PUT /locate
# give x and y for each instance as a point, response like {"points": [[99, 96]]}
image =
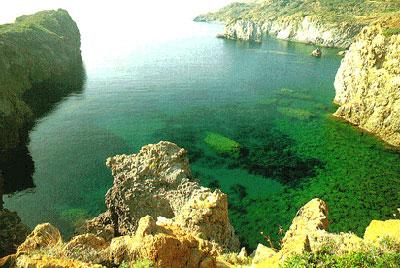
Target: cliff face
{"points": [[325, 23], [36, 50], [40, 61], [368, 81], [306, 30]]}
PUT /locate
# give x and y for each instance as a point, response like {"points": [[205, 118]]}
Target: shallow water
{"points": [[273, 99]]}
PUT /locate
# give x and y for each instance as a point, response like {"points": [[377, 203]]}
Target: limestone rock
{"points": [[87, 248], [377, 230], [101, 226], [165, 246], [12, 232], [262, 253], [157, 182], [308, 29], [310, 218], [40, 261], [243, 30], [206, 213], [368, 83], [43, 236]]}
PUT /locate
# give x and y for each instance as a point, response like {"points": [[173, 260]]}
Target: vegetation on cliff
{"points": [[331, 23], [36, 52], [331, 11]]}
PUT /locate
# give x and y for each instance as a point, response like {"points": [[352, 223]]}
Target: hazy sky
{"points": [[114, 9], [117, 26]]}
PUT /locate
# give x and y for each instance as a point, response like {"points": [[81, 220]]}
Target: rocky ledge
{"points": [[368, 81], [158, 215]]}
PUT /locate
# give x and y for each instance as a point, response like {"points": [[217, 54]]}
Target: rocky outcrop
{"points": [[35, 51], [157, 182], [368, 82], [197, 233], [306, 30], [165, 243], [243, 30], [309, 233]]}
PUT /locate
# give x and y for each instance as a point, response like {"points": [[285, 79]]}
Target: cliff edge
{"points": [[367, 83]]}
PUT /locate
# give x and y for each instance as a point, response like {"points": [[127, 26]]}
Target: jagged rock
{"points": [[101, 226], [368, 81], [165, 246], [158, 182], [206, 213], [12, 232], [308, 233], [378, 230], [43, 236]]}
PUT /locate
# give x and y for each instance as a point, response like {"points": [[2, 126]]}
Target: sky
{"points": [[126, 24], [115, 9]]}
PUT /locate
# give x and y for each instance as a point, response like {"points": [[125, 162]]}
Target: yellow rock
{"points": [[380, 229], [43, 236], [50, 262], [262, 253]]}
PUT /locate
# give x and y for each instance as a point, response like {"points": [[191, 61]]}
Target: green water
{"points": [[273, 144]]}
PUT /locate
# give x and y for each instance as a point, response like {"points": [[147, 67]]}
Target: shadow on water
{"points": [[16, 165]]}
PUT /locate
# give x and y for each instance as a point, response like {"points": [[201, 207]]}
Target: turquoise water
{"points": [[272, 99]]}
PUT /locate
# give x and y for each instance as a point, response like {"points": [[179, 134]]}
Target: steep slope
{"points": [[36, 51], [368, 81]]}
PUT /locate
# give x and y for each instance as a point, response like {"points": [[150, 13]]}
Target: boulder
{"points": [[165, 246], [43, 236], [378, 230]]}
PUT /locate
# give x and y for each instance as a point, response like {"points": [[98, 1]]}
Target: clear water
{"points": [[273, 99]]}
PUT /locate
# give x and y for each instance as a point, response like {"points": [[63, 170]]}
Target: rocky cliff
{"points": [[326, 23], [36, 51], [368, 81], [309, 29], [189, 227], [40, 61]]}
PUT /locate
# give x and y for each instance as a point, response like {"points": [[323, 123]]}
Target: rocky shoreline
{"points": [[158, 214], [313, 22]]}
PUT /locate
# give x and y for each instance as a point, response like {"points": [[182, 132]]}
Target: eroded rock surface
{"points": [[368, 82], [157, 182]]}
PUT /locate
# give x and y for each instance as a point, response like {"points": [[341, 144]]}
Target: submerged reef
{"points": [[326, 23], [171, 221]]}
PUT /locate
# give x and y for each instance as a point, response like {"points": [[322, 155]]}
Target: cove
{"points": [[255, 119]]}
